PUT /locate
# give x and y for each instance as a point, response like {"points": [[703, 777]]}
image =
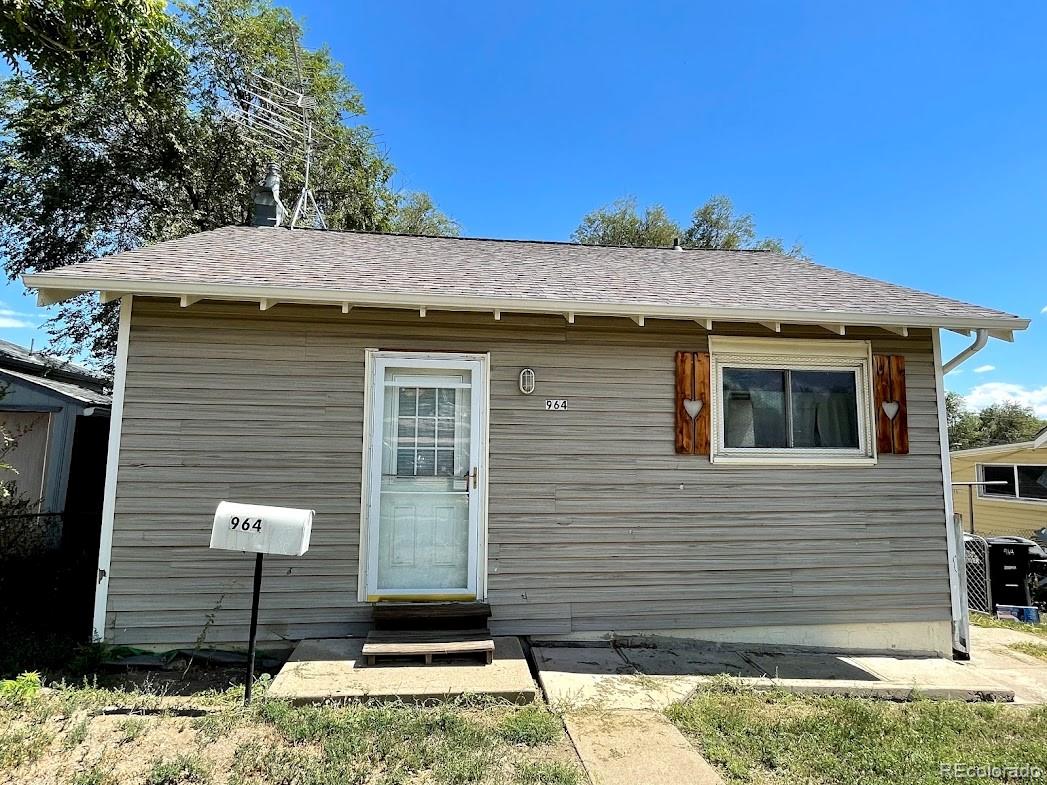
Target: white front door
{"points": [[426, 464]]}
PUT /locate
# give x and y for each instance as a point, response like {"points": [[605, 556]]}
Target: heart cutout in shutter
{"points": [[692, 407], [890, 408]]}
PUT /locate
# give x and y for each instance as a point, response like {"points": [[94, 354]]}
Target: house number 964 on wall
{"points": [[555, 404]]}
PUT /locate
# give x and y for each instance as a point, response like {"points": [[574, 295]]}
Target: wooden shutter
{"points": [[692, 389], [892, 433]]}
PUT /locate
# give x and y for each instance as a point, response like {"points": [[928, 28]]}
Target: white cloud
{"points": [[12, 323], [983, 395], [1044, 309], [984, 368], [955, 372]]}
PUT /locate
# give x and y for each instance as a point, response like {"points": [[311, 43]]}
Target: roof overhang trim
{"points": [[54, 289]]}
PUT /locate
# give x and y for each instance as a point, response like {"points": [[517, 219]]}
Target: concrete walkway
{"points": [[653, 678], [634, 748]]}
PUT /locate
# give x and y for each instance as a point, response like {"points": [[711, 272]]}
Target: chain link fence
{"points": [[976, 553]]}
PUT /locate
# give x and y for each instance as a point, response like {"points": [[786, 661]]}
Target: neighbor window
{"points": [[1014, 481], [790, 401]]}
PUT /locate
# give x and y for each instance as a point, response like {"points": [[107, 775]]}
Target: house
{"points": [[57, 415], [1016, 502], [729, 445]]}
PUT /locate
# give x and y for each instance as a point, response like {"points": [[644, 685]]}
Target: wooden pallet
{"points": [[427, 644]]}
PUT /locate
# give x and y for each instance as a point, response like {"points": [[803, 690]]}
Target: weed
{"points": [[21, 688], [530, 725], [984, 620], [548, 773], [182, 770], [100, 773], [77, 734], [22, 743], [132, 728], [1037, 650]]}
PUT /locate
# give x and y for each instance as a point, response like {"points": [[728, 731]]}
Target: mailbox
{"points": [[256, 528]]}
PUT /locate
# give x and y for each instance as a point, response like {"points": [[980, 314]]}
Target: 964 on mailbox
{"points": [[256, 528], [259, 529]]}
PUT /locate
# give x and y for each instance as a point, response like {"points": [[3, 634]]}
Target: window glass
{"points": [[754, 407], [431, 428], [824, 409], [774, 408], [1032, 482], [992, 473]]}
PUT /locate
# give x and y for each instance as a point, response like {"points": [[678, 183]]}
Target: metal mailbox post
{"points": [[259, 529]]}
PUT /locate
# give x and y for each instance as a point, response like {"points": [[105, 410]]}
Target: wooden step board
{"points": [[431, 615], [427, 644]]}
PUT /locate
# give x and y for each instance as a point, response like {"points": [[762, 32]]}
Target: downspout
{"points": [[981, 337], [954, 537]]}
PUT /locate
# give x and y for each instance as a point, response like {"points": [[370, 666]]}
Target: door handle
{"points": [[475, 475]]}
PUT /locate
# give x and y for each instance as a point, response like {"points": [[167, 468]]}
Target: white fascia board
{"points": [[62, 285], [996, 449]]}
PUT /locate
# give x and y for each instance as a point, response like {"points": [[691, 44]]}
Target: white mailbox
{"points": [[256, 528]]}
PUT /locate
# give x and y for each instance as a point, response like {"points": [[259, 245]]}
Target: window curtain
{"points": [[823, 419]]}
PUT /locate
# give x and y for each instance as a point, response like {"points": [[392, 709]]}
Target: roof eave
{"points": [[52, 289]]}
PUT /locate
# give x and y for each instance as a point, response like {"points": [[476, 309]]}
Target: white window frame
{"points": [[795, 355], [983, 491]]}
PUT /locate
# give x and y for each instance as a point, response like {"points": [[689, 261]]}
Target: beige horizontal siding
{"points": [[994, 517], [594, 522]]}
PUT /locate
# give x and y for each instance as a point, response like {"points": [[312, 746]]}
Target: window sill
{"points": [[808, 459]]}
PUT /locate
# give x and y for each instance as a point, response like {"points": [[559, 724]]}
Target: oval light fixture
{"points": [[527, 381]]}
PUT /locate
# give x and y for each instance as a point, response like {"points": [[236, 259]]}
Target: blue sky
{"points": [[900, 140]]}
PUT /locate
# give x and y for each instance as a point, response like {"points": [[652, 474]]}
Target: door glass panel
{"points": [[423, 521]]}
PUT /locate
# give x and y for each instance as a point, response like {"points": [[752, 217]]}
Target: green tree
{"points": [[964, 425], [72, 40], [621, 223], [416, 214], [714, 225], [999, 423], [1008, 422], [102, 166]]}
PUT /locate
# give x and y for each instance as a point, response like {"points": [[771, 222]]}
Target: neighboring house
{"points": [[1019, 505], [730, 445], [44, 404]]}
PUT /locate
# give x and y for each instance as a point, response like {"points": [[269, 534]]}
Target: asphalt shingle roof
{"points": [[538, 272]]}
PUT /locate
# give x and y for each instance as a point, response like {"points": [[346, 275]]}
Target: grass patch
{"points": [[548, 773], [778, 737], [181, 770], [1038, 650], [22, 743], [76, 734], [132, 728], [984, 620], [44, 734], [100, 773], [531, 725]]}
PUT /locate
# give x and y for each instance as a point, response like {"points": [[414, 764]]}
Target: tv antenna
{"points": [[279, 116]]}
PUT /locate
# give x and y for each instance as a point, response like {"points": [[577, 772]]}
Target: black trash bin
{"points": [[1009, 559]]}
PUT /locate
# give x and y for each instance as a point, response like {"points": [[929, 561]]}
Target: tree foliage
{"points": [[417, 214], [102, 166], [1009, 422], [621, 223], [714, 225], [73, 40]]}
